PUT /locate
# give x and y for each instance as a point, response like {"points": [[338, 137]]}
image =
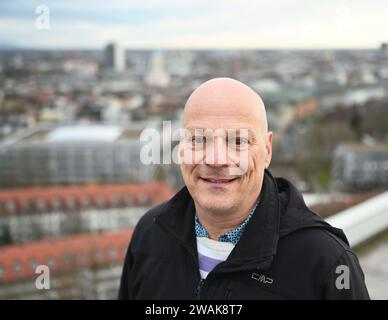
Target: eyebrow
{"points": [[250, 131]]}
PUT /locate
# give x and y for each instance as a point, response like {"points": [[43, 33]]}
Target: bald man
{"points": [[234, 231]]}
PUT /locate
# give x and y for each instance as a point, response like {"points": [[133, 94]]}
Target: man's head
{"points": [[216, 106]]}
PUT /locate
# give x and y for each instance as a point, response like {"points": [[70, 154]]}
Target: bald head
{"points": [[225, 99]]}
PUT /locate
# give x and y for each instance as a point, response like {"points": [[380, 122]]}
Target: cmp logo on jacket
{"points": [[261, 278]]}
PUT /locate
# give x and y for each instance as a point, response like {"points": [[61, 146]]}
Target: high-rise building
{"points": [[157, 74], [114, 57], [384, 50]]}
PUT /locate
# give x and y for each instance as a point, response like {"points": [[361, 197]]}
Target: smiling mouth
{"points": [[218, 180]]}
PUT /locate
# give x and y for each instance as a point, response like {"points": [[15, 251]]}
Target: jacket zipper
{"points": [[227, 294], [201, 281], [199, 288]]}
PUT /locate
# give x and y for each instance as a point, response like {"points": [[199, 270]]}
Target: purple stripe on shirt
{"points": [[206, 263]]}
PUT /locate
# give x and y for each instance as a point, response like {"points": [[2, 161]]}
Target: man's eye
{"points": [[238, 141]]}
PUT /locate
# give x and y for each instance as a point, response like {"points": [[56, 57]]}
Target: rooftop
{"points": [[84, 133], [18, 262], [378, 147], [40, 199], [80, 132]]}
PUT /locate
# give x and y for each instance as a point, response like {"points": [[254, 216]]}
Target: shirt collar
{"points": [[232, 236]]}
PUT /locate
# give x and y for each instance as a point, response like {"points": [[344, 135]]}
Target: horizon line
{"points": [[145, 48]]}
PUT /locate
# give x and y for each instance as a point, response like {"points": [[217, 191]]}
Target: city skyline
{"points": [[196, 24]]}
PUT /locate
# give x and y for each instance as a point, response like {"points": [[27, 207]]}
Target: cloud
{"points": [[198, 24]]}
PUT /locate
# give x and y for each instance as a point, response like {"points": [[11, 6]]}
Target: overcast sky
{"points": [[197, 23]]}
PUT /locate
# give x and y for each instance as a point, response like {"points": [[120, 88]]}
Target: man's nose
{"points": [[216, 153]]}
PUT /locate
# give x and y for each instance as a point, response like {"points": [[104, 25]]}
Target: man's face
{"points": [[225, 152]]}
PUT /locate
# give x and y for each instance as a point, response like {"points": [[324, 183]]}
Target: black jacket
{"points": [[285, 252]]}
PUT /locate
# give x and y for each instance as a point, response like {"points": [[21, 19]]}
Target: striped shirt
{"points": [[212, 252]]}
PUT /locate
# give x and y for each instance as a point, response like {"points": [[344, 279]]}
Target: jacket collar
{"points": [[257, 244]]}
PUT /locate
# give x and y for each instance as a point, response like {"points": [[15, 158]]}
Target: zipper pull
{"points": [[199, 288]]}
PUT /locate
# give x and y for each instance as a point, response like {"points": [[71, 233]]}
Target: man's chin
{"points": [[216, 205]]}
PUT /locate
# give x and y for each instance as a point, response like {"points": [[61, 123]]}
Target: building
{"points": [[361, 167], [84, 266], [114, 58], [335, 96], [31, 214], [75, 154], [157, 75], [384, 50]]}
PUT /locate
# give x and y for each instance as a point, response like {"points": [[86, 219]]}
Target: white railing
{"points": [[364, 220]]}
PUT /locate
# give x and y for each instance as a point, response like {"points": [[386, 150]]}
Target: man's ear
{"points": [[268, 147]]}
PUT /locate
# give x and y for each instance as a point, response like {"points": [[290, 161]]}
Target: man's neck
{"points": [[217, 223]]}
